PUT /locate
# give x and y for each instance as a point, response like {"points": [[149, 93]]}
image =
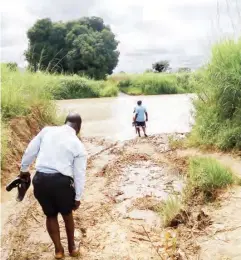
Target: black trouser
{"points": [[140, 124], [55, 193]]}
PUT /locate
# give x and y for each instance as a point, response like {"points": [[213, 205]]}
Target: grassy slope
{"points": [[218, 109]]}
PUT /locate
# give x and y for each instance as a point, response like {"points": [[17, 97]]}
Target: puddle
{"points": [[147, 179]]}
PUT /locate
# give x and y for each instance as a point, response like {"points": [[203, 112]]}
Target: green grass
{"points": [[218, 109], [150, 84], [25, 93], [170, 209], [154, 83], [206, 175], [74, 87], [23, 90]]}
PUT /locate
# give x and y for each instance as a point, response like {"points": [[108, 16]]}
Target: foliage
{"points": [[74, 87], [187, 81], [149, 84], [170, 209], [207, 175], [23, 90], [86, 47], [184, 69], [12, 66], [218, 109], [161, 66]]}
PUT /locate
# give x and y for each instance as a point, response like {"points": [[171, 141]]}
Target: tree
{"points": [[85, 46], [184, 69], [161, 66]]}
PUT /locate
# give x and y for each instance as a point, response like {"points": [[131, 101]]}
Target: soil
{"points": [[117, 218]]}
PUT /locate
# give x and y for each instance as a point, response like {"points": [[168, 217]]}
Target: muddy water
{"points": [[112, 117]]}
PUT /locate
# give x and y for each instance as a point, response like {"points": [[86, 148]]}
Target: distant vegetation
{"points": [[23, 90], [218, 109], [85, 47], [154, 83], [161, 66]]}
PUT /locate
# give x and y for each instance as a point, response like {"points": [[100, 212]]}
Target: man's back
{"points": [[59, 145], [140, 111]]}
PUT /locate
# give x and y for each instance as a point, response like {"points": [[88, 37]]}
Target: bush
{"points": [[207, 174], [108, 90], [170, 209], [218, 109], [76, 87], [150, 84], [22, 91]]}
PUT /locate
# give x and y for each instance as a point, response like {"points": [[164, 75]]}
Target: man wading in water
{"points": [[60, 177], [140, 118]]}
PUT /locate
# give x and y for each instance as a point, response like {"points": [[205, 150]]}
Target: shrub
{"points": [[170, 209], [22, 91], [207, 174], [76, 87], [150, 84], [108, 90], [218, 109]]}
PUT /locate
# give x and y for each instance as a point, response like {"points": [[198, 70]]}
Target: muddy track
{"points": [[26, 223], [102, 230], [114, 222]]}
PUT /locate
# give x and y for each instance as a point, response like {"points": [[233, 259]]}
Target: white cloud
{"points": [[180, 31]]}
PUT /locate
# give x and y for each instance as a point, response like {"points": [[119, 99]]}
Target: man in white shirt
{"points": [[60, 177]]}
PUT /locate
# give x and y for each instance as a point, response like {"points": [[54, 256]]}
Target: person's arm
{"points": [[31, 153], [80, 163], [146, 116]]}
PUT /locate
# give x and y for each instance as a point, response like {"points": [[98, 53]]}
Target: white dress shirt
{"points": [[58, 149]]}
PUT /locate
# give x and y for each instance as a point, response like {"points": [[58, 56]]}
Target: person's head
{"points": [[74, 120], [139, 103]]}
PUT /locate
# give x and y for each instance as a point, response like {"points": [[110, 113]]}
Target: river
{"points": [[112, 117]]}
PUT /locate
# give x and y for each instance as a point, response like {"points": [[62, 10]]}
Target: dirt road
{"points": [[116, 220]]}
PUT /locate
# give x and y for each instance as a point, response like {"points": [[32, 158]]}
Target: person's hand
{"points": [[25, 176], [76, 204]]}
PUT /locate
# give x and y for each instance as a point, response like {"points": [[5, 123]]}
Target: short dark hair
{"points": [[74, 118], [139, 102]]}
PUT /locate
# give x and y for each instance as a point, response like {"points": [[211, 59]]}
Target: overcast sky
{"points": [[180, 31]]}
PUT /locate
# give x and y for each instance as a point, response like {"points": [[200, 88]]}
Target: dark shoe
{"points": [[22, 189], [21, 184], [13, 184]]}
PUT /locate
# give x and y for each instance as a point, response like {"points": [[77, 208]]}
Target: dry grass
{"points": [[170, 209], [147, 203]]}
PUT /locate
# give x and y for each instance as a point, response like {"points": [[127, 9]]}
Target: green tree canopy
{"points": [[85, 46], [161, 66]]}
